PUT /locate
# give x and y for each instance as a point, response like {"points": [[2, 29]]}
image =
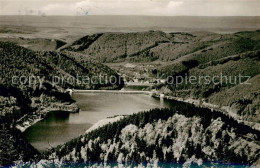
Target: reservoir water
{"points": [[60, 127]]}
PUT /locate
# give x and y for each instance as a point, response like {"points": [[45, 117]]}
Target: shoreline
{"points": [[223, 109], [40, 115], [73, 108]]}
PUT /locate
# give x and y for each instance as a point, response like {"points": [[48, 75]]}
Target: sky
{"points": [[131, 7]]}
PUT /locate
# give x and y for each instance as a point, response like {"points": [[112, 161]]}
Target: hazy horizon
{"points": [[131, 7], [69, 28]]}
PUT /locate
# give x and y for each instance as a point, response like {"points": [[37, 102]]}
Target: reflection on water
{"points": [[60, 127], [55, 129], [57, 117]]}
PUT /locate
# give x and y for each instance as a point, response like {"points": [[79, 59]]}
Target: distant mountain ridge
{"points": [[70, 28]]}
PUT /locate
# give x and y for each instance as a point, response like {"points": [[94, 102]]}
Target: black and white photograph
{"points": [[130, 83]]}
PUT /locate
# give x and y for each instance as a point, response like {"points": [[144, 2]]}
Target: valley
{"points": [[201, 100]]}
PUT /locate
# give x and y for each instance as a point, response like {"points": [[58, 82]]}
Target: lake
{"points": [[60, 127]]}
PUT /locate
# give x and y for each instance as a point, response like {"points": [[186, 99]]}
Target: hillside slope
{"points": [[25, 100], [156, 45]]}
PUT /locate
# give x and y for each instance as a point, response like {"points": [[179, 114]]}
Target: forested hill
{"points": [[191, 55], [160, 46], [165, 135], [20, 61], [21, 102]]}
